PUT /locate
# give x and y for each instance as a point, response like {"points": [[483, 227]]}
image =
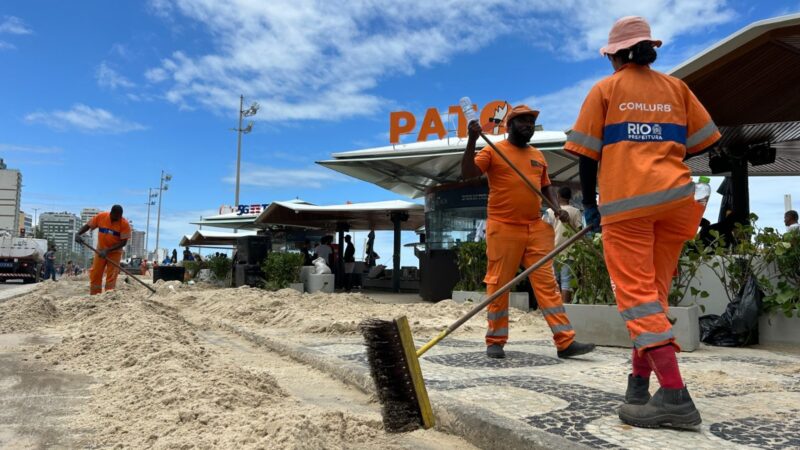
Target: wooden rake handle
{"points": [[119, 267]]}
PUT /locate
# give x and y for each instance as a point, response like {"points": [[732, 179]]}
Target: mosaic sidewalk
{"points": [[748, 398]]}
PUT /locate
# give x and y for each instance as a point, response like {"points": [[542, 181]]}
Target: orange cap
{"points": [[627, 32], [520, 110]]}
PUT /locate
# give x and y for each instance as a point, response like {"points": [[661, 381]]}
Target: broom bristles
{"points": [[392, 375]]}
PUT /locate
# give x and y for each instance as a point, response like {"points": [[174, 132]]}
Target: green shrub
{"points": [[472, 261], [784, 295], [590, 281], [282, 269], [220, 266], [192, 267]]}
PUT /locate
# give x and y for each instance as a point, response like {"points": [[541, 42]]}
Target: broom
{"points": [[394, 360]]}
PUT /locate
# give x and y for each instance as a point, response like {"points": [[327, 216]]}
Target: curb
{"points": [[14, 293], [477, 425]]}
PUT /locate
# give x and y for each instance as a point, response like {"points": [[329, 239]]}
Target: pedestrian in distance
{"points": [[349, 263], [174, 259], [113, 233], [50, 264], [563, 270], [515, 232], [790, 220], [638, 127]]}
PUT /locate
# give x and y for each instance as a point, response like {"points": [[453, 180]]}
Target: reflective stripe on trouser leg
{"points": [[504, 247], [539, 243], [96, 275], [112, 272], [629, 252]]}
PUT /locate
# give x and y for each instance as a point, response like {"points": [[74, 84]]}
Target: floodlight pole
{"points": [[239, 149]]}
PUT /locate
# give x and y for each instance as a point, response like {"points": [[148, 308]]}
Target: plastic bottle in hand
{"points": [[466, 107], [702, 190]]}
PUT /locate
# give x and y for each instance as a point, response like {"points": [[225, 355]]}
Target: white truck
{"points": [[21, 258]]}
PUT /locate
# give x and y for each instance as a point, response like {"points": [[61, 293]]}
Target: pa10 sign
{"points": [[404, 122]]}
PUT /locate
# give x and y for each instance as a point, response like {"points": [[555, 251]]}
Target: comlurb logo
{"points": [[644, 132]]}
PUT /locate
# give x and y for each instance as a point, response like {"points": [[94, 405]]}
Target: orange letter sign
{"points": [[396, 128], [432, 124]]}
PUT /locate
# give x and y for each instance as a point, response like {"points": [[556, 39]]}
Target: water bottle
{"points": [[466, 107], [702, 190]]}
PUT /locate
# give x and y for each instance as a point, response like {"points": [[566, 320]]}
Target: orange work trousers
{"points": [[642, 258], [507, 247], [100, 266]]}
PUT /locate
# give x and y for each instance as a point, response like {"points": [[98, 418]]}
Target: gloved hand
{"points": [[103, 253], [591, 214], [79, 239]]}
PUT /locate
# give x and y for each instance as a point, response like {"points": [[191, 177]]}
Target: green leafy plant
{"points": [[693, 256], [281, 269], [749, 253], [220, 266], [472, 261], [192, 267], [590, 282], [784, 294]]}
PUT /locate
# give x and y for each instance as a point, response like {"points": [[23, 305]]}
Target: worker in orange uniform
{"points": [[515, 232], [640, 126], [113, 233]]}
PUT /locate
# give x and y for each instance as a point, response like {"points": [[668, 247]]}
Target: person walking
{"points": [[50, 264], [174, 259], [113, 233], [349, 262], [515, 232], [563, 270], [639, 126]]}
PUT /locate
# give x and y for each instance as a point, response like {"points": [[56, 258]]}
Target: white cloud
{"points": [[110, 78], [84, 118], [14, 25], [560, 108], [30, 149], [311, 59], [279, 177], [7, 46], [156, 75]]}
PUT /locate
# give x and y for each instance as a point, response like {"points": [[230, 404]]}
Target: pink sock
{"points": [[664, 363], [641, 368]]}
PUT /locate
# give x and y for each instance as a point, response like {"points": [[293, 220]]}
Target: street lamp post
{"points": [[150, 202], [162, 187], [239, 131]]}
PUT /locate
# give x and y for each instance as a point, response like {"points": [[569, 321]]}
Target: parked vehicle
{"points": [[21, 258]]}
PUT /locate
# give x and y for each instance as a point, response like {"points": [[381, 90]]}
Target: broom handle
{"points": [[564, 245], [119, 267]]}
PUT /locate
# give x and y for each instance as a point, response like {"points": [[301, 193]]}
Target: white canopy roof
{"points": [[359, 216], [202, 238]]}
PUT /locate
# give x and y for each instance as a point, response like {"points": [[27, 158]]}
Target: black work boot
{"points": [[495, 351], [575, 349], [638, 392], [671, 408]]}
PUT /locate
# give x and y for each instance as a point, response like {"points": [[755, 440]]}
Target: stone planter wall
{"points": [[603, 325], [299, 287], [517, 300], [778, 329], [463, 296]]}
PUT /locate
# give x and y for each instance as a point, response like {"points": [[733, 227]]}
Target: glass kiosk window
{"points": [[455, 213]]}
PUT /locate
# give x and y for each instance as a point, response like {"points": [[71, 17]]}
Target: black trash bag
{"points": [[738, 325]]}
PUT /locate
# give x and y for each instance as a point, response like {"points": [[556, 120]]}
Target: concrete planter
{"points": [[519, 300], [299, 287], [463, 296], [603, 325], [776, 328]]}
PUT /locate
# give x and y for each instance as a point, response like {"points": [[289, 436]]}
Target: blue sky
{"points": [[98, 97]]}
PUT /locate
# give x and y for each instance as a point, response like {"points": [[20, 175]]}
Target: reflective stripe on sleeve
{"points": [[584, 140], [651, 199], [643, 310], [701, 135]]}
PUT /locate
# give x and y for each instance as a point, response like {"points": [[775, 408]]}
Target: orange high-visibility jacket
{"points": [[639, 124], [109, 233]]}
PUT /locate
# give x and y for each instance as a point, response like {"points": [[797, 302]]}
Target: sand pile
{"points": [[159, 386], [331, 313]]}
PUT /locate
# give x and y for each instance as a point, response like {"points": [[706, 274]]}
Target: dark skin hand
{"points": [[520, 132], [104, 251]]}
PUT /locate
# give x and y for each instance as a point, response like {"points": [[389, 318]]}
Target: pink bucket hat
{"points": [[627, 32]]}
